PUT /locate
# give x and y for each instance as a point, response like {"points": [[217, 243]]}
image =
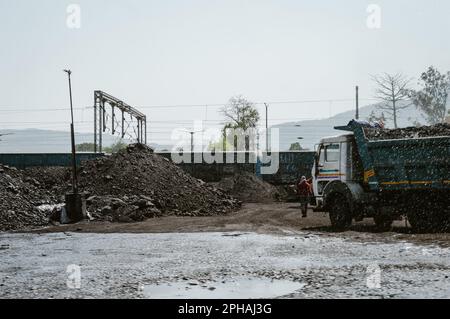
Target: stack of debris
{"points": [[408, 132], [136, 183], [20, 197], [132, 185], [247, 187]]}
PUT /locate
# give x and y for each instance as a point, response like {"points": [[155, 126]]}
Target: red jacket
{"points": [[304, 188]]}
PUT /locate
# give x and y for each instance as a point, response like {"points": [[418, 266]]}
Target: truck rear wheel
{"points": [[419, 221], [340, 214], [428, 217]]}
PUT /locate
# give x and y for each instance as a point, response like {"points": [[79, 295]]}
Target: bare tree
{"points": [[391, 90]]}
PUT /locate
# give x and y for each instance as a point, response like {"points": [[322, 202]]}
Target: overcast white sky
{"points": [[204, 51]]}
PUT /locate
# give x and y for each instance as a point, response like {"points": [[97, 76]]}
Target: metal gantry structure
{"points": [[128, 120]]}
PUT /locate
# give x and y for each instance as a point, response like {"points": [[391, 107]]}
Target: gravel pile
{"points": [[248, 188], [132, 185], [20, 197], [408, 132], [144, 184]]}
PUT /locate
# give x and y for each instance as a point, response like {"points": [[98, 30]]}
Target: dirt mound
{"points": [[408, 132], [138, 175], [132, 185], [247, 187], [19, 197]]}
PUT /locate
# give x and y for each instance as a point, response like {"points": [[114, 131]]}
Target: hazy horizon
{"points": [[163, 57]]}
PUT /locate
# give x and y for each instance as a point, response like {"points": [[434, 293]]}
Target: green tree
{"points": [[85, 147], [241, 115], [431, 99], [116, 147], [295, 147]]}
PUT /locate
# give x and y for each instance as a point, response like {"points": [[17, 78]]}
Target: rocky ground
{"points": [[408, 132], [20, 197]]}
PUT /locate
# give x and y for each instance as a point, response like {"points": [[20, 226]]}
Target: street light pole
{"points": [[72, 137], [75, 201], [267, 126], [357, 103]]}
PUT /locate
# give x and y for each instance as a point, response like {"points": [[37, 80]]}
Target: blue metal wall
{"points": [[48, 159], [291, 165]]}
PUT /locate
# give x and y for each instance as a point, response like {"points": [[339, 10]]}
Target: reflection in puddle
{"points": [[232, 288]]}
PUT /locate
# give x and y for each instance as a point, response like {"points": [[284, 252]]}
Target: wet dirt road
{"points": [[294, 265], [263, 218], [264, 251]]}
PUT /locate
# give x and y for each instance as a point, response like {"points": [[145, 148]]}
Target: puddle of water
{"points": [[237, 288]]}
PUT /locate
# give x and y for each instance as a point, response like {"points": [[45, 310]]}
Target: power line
{"points": [[14, 109]]}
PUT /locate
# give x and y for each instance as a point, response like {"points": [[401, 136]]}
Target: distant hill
{"points": [[47, 141], [312, 131]]}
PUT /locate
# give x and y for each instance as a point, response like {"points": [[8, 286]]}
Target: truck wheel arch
{"points": [[352, 192]]}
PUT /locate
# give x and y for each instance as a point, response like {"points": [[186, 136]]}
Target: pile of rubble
{"points": [[132, 185], [408, 132], [20, 197], [135, 184], [247, 187]]}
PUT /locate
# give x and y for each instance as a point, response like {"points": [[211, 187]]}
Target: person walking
{"points": [[304, 192]]}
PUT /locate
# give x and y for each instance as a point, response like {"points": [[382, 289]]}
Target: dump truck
{"points": [[355, 177]]}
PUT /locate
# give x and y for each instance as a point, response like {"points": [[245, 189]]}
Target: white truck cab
{"points": [[335, 160]]}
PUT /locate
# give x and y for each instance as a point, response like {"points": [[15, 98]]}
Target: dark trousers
{"points": [[304, 201]]}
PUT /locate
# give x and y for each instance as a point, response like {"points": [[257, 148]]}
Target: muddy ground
{"points": [[263, 251], [264, 218]]}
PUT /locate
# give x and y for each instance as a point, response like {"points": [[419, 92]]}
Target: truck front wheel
{"points": [[340, 214]]}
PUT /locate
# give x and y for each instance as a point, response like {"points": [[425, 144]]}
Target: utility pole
{"points": [[75, 201], [192, 142], [357, 103], [72, 138], [192, 138], [267, 126]]}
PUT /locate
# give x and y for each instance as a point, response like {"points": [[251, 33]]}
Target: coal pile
{"points": [[123, 209], [249, 188], [55, 180], [408, 132], [136, 184], [20, 197]]}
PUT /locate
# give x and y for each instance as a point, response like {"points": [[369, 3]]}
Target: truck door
{"points": [[328, 166]]}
